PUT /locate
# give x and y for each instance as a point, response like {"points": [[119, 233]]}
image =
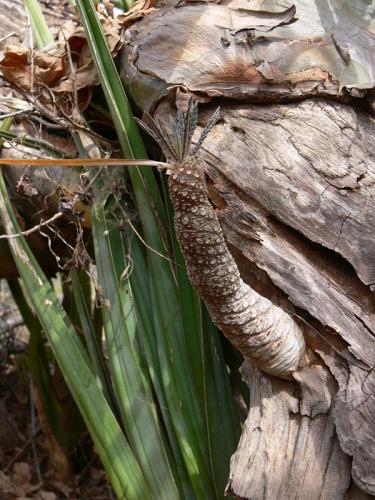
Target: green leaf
{"points": [[41, 32], [38, 363], [183, 402], [129, 372], [117, 457], [140, 283], [93, 342], [209, 373], [221, 415]]}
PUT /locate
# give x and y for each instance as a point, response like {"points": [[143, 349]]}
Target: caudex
{"points": [[260, 330]]}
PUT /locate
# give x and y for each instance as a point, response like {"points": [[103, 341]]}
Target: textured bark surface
{"points": [[292, 451], [256, 50], [260, 330], [257, 184], [293, 185], [312, 165]]}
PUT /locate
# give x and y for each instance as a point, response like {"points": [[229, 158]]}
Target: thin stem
{"points": [[31, 230], [78, 162]]}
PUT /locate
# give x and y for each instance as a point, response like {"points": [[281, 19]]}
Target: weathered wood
{"points": [[251, 177], [284, 454], [257, 174], [311, 165], [252, 50], [294, 189]]}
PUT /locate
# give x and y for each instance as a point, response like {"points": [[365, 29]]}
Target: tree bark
{"points": [[278, 208], [291, 175], [284, 451]]}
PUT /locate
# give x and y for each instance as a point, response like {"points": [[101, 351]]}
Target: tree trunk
{"points": [[292, 177], [291, 174]]}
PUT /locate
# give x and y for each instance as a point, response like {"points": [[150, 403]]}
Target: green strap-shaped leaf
{"points": [[183, 402], [118, 459], [41, 32], [128, 369]]}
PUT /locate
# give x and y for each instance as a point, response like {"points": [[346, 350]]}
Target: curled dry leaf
{"points": [[52, 69], [138, 10], [17, 70]]}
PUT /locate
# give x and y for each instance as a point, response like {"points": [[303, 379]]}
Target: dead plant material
{"points": [[18, 477], [16, 67], [138, 11], [49, 74]]}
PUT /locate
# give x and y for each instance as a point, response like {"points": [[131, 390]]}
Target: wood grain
{"points": [[255, 180], [275, 177], [284, 454]]}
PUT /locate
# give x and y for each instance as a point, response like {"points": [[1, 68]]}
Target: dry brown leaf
{"points": [[19, 483], [85, 72], [58, 457], [22, 475], [6, 484], [52, 69], [17, 70], [67, 30], [137, 11], [63, 488], [112, 29]]}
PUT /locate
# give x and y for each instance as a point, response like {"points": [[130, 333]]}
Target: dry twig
{"points": [[31, 230]]}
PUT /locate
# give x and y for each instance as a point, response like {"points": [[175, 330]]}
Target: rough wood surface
{"points": [[254, 50], [312, 165], [294, 189], [255, 180], [284, 454]]}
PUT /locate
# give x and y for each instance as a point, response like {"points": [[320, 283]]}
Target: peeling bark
{"points": [[261, 221], [293, 186], [227, 51], [284, 452]]}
